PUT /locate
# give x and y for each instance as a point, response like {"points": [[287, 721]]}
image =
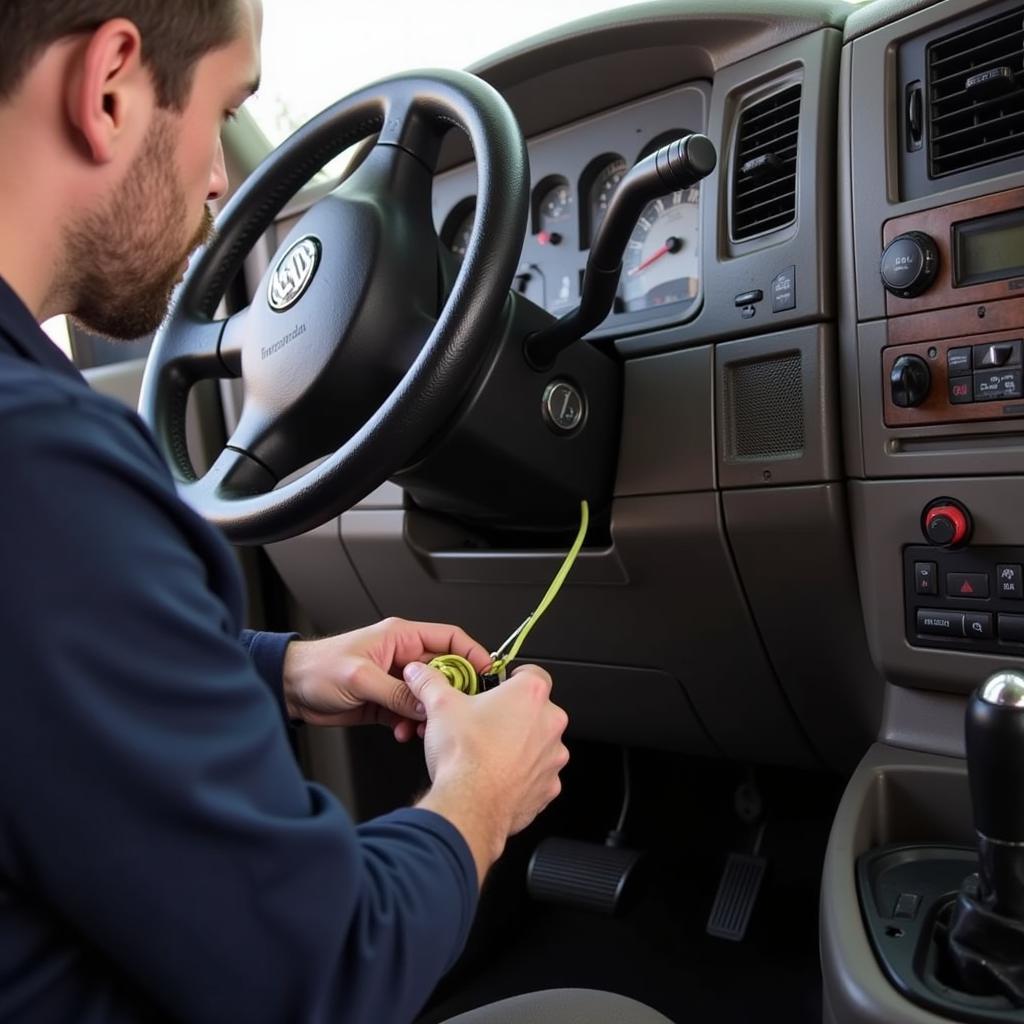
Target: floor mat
{"points": [[658, 951]]}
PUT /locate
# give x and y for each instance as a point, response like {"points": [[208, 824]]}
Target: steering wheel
{"points": [[342, 350]]}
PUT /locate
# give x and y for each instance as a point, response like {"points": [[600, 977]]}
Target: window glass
{"points": [[316, 51], [59, 330]]}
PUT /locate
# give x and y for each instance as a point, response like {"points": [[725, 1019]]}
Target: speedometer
{"points": [[662, 260]]}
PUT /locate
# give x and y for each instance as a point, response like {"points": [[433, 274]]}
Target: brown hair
{"points": [[175, 34]]}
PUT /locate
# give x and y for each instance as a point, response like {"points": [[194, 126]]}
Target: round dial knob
{"points": [[909, 264], [910, 380], [947, 524]]}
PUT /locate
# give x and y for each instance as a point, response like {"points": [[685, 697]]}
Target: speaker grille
{"points": [[764, 409]]}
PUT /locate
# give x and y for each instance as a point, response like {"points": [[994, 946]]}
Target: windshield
{"points": [[316, 51]]}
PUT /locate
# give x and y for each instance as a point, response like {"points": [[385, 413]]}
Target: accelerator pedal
{"points": [[738, 891]]}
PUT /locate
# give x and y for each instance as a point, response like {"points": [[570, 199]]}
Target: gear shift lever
{"points": [[995, 766], [986, 931]]}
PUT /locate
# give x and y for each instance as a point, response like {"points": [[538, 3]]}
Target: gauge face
{"points": [[662, 260], [459, 237], [555, 208], [601, 192]]}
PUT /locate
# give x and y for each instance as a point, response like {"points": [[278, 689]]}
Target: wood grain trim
{"points": [[937, 408], [938, 223], [960, 321]]}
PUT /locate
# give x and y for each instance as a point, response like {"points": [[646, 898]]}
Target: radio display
{"points": [[989, 248]]}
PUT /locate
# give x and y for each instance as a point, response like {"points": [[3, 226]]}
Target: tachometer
{"points": [[662, 260], [554, 207], [601, 191]]}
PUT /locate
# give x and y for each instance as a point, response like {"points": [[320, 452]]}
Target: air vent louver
{"points": [[976, 95], [764, 169]]}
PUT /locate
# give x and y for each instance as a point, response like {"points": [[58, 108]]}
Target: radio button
{"points": [[1004, 353], [961, 389], [958, 361], [925, 581], [978, 625], [1011, 628], [941, 623], [1008, 582], [992, 387]]}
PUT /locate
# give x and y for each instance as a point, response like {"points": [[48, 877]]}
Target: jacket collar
{"points": [[26, 338]]}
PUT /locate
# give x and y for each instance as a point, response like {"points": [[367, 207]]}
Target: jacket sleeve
{"points": [[147, 788], [267, 651]]}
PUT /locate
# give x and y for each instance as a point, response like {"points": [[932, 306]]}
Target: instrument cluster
{"points": [[575, 172]]}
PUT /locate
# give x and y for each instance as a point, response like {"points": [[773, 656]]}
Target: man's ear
{"points": [[110, 89]]}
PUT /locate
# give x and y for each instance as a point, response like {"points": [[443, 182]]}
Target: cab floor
{"points": [[657, 950]]}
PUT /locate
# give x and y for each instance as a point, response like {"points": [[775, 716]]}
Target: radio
{"points": [[955, 282]]}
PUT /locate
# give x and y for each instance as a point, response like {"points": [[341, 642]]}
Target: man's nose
{"points": [[218, 175]]}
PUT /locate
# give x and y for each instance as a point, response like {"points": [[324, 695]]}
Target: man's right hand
{"points": [[494, 758]]}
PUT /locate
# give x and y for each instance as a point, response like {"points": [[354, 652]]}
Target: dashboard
{"points": [[574, 174], [776, 448]]}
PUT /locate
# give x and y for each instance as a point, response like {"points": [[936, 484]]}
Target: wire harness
{"points": [[460, 672]]}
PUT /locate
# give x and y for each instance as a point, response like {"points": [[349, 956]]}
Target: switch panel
{"points": [[966, 383], [971, 599]]}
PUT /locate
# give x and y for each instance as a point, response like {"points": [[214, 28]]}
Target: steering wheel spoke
{"points": [[234, 474], [210, 348], [232, 336]]}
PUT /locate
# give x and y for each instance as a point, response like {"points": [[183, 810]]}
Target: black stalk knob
{"points": [[679, 165]]}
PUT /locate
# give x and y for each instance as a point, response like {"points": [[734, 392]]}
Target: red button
{"points": [[954, 528]]}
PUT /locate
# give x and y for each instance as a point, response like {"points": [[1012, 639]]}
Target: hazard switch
{"points": [[967, 584]]}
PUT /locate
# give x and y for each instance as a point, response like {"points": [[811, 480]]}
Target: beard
{"points": [[124, 260]]}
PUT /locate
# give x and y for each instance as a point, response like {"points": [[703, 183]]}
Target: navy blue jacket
{"points": [[161, 856]]}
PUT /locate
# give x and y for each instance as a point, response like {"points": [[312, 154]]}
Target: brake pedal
{"points": [[587, 876]]}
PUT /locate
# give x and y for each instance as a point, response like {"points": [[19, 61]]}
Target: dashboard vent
{"points": [[764, 169], [976, 95]]}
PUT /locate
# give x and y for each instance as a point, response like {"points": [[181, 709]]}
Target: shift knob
{"points": [[995, 768], [995, 756]]}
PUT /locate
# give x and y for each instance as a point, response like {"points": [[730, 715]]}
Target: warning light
{"points": [[967, 588]]}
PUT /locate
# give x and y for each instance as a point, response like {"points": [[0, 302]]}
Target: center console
{"points": [[931, 244]]}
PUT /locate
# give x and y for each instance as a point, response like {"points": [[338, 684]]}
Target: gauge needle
{"points": [[672, 244]]}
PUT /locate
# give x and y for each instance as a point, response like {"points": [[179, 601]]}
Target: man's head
{"points": [[123, 102]]}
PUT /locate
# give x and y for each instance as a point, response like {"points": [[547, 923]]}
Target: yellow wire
{"points": [[461, 674]]}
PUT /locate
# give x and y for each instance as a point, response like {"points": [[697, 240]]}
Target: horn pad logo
{"points": [[293, 274]]}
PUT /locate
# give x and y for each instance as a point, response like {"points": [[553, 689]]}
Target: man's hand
{"points": [[494, 758], [355, 678]]}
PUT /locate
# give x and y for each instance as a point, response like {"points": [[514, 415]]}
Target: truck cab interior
{"points": [[747, 277]]}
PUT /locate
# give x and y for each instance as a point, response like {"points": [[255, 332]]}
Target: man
{"points": [[160, 855]]}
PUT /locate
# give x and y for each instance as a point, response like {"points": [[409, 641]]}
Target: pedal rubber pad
{"points": [[736, 896]]}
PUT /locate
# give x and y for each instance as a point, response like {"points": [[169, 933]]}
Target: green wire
{"points": [[501, 663], [461, 674]]}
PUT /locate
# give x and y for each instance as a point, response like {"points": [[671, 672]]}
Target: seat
{"points": [[563, 1006]]}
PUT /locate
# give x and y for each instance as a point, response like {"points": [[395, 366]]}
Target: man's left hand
{"points": [[355, 678]]}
